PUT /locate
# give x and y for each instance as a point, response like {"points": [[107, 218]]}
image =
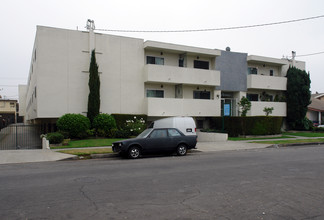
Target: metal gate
{"points": [[20, 136]]}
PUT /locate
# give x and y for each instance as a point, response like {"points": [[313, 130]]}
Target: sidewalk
{"points": [[25, 156]]}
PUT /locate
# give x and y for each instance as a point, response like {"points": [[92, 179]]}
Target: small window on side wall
{"points": [[271, 72]]}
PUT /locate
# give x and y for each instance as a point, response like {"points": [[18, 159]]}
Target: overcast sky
{"points": [[19, 19]]}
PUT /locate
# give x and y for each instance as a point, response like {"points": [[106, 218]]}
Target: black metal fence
{"points": [[20, 136]]}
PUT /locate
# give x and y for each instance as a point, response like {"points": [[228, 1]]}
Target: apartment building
{"points": [[152, 78], [8, 112]]}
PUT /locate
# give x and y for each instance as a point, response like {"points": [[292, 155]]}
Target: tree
{"points": [[268, 110], [298, 97], [94, 87], [245, 106]]}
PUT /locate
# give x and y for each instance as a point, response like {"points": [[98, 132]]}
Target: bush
{"points": [[256, 125], [122, 118], [55, 138], [135, 126], [121, 133], [104, 124], [75, 125]]}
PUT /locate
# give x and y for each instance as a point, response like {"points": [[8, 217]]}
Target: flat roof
{"points": [[176, 48], [267, 60]]}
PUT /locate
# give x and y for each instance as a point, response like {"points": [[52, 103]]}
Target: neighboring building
{"points": [[316, 108], [8, 112], [152, 78]]}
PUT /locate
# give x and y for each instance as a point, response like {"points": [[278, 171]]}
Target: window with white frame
{"points": [[154, 60], [155, 93], [252, 70]]}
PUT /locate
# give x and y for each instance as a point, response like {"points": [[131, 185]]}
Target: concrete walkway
{"points": [[25, 156]]}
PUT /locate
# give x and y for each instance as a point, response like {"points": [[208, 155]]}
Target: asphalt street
{"points": [[276, 183]]}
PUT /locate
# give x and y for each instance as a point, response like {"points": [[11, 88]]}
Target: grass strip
{"points": [[256, 138], [85, 152], [305, 134], [290, 141], [89, 143]]}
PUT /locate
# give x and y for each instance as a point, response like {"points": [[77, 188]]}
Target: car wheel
{"points": [[181, 150], [134, 152]]}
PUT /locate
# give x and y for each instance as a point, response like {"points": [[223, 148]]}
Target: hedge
{"points": [[254, 125]]}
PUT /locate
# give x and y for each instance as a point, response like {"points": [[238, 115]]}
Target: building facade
{"points": [[8, 112], [152, 78]]}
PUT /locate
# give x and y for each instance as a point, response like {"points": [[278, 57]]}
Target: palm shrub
{"points": [[76, 125], [105, 125]]}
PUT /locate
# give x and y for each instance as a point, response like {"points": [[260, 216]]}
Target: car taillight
{"points": [[195, 129]]}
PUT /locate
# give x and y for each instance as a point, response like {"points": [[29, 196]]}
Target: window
{"points": [[12, 104], [198, 64], [252, 70], [252, 97], [155, 60], [155, 93], [201, 94], [173, 133], [181, 62], [159, 134], [271, 72]]}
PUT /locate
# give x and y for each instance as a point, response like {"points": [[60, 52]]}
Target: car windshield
{"points": [[144, 133]]}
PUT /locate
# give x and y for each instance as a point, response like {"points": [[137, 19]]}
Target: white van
{"points": [[186, 125]]}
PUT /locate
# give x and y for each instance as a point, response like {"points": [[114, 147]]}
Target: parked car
{"points": [[156, 140]]}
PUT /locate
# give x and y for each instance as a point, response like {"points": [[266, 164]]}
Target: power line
{"points": [[310, 54], [214, 29]]}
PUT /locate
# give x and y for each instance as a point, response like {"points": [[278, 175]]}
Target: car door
{"points": [[175, 138], [156, 141]]}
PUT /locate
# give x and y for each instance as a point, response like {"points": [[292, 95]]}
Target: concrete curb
{"points": [[295, 144]]}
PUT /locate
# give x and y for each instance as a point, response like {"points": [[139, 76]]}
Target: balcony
{"points": [[279, 108], [180, 75], [182, 107], [266, 82]]}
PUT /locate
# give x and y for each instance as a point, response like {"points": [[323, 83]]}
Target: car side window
{"points": [[173, 133], [159, 134]]}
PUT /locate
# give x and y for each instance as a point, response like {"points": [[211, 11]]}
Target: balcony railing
{"points": [[182, 107], [279, 108], [266, 82], [181, 75]]}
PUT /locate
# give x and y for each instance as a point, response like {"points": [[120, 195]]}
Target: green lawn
{"points": [[305, 134], [256, 138], [86, 152], [290, 141], [89, 143]]}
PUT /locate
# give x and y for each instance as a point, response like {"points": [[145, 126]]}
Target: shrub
{"points": [[256, 125], [104, 124], [55, 138], [122, 118], [135, 126], [121, 133], [75, 125]]}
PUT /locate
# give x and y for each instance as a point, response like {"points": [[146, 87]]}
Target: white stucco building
{"points": [[152, 78]]}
